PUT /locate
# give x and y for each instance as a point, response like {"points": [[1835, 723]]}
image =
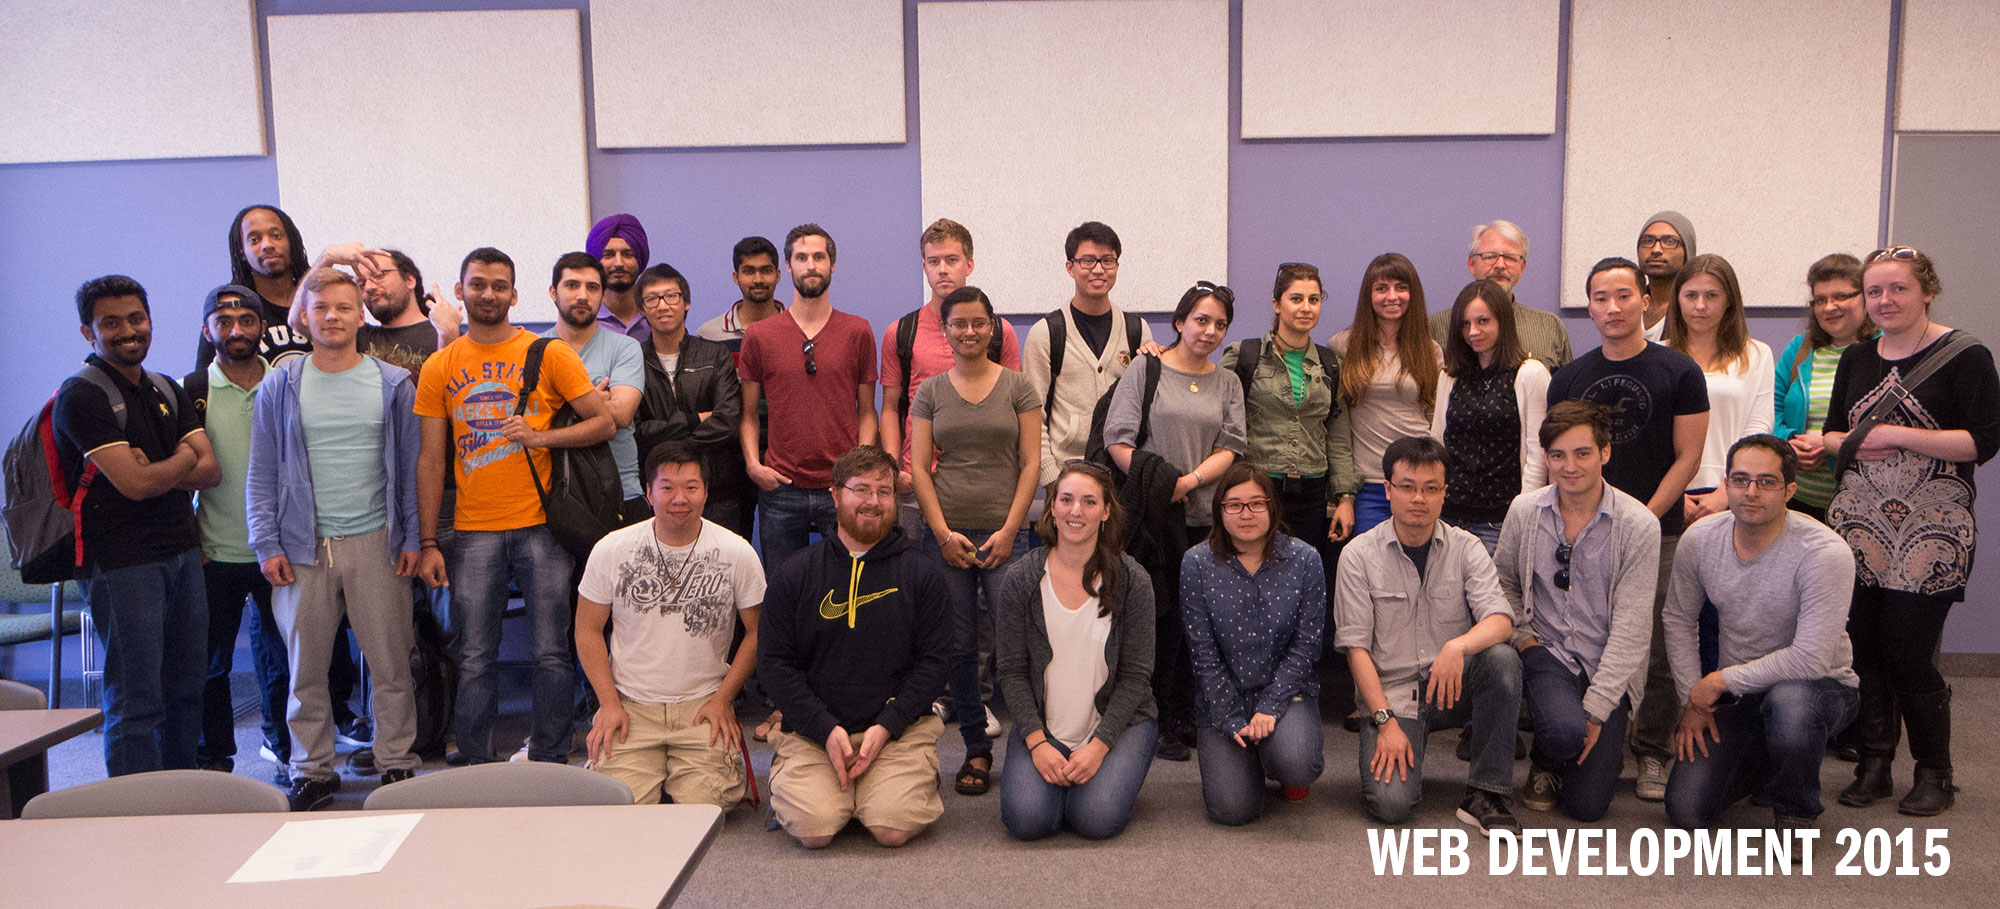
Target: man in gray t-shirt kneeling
{"points": [[1783, 679]]}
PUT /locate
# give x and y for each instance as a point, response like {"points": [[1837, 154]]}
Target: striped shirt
{"points": [[1816, 486]]}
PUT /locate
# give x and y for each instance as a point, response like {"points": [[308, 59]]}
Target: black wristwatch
{"points": [[1382, 717]]}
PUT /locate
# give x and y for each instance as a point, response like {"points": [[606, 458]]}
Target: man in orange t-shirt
{"points": [[466, 401]]}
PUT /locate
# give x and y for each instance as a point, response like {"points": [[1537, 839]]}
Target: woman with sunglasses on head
{"points": [[1195, 426], [1253, 601], [1489, 415], [1388, 374], [1804, 384], [1075, 648], [1706, 322], [975, 431], [1914, 410]]}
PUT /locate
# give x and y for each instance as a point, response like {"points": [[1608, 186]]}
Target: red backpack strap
{"points": [[749, 772]]}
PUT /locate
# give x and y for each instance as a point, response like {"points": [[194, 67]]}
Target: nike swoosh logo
{"points": [[828, 609]]}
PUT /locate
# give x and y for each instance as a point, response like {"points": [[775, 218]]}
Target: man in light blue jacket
{"points": [[332, 513]]}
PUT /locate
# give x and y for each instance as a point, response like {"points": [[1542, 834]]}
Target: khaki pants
{"points": [[666, 752], [899, 790]]}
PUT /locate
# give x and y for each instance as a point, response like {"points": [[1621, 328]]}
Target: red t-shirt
{"points": [[813, 418], [930, 355]]}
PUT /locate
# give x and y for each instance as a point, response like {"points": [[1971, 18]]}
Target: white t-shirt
{"points": [[1076, 666], [673, 609], [1740, 402]]}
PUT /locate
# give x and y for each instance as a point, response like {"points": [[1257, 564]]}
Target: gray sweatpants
{"points": [[355, 576]]}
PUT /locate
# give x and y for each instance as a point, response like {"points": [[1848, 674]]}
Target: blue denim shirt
{"points": [[1252, 639]]}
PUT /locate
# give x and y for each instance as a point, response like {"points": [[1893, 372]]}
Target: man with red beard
{"points": [[853, 646]]}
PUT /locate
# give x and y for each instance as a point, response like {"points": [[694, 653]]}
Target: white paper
{"points": [[330, 848]]}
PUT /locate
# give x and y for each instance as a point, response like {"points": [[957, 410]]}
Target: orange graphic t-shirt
{"points": [[474, 387]]}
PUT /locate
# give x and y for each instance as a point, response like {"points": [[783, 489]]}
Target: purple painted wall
{"points": [[1322, 201]]}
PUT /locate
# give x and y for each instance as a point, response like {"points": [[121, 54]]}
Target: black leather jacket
{"points": [[704, 381]]}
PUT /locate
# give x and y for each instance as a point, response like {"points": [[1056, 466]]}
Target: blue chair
{"points": [[51, 626]]}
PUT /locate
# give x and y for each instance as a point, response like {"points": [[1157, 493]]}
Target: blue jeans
{"points": [[1371, 507], [964, 585], [1031, 808], [1489, 705], [1488, 532], [153, 621], [1232, 775], [482, 563], [1770, 742], [788, 516], [1554, 699]]}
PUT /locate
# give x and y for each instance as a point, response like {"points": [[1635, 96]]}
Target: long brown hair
{"points": [[1101, 572], [1459, 358], [1219, 541], [1291, 273], [1732, 336], [1414, 346]]}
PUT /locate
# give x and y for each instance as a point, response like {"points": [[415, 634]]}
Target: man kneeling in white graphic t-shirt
{"points": [[671, 589]]}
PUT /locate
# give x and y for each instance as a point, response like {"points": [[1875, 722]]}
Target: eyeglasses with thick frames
{"points": [[1254, 506], [1663, 241], [1563, 551], [1509, 258], [1764, 482], [664, 298], [812, 368], [1838, 297], [1091, 263]]}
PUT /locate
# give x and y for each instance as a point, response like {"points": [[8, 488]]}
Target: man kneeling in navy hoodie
{"points": [[853, 646]]}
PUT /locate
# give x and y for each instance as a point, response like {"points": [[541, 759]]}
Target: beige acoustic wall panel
{"points": [[1411, 68], [679, 73], [1762, 122], [1039, 116], [1950, 66], [116, 80], [436, 133]]}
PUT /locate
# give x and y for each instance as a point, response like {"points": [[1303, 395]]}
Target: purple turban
{"points": [[624, 227]]}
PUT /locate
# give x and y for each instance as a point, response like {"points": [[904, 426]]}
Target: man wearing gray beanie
{"points": [[1665, 244]]}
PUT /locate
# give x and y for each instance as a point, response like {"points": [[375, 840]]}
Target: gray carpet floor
{"points": [[1315, 852]]}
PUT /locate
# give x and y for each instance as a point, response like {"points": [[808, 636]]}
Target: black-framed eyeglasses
{"points": [[812, 368], [1663, 241], [1254, 506], [1563, 551], [1492, 257], [1837, 297], [1091, 263], [1765, 482]]}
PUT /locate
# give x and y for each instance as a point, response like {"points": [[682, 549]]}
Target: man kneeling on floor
{"points": [[854, 645], [1781, 584], [671, 588], [1424, 624]]}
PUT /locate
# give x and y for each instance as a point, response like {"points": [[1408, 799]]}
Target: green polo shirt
{"points": [[219, 512]]}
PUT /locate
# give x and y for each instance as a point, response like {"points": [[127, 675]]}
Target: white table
{"points": [[638, 855]]}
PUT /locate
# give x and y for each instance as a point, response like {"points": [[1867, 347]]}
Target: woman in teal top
{"points": [[1805, 373]]}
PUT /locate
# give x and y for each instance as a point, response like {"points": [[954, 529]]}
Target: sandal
{"points": [[974, 780], [770, 725]]}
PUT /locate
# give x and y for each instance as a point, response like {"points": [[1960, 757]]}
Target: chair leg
{"points": [[55, 645]]}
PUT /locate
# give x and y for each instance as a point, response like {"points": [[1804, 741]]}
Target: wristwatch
{"points": [[1382, 717]]}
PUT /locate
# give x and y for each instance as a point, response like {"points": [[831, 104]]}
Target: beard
{"points": [[619, 287], [867, 529], [577, 318], [390, 310], [812, 285]]}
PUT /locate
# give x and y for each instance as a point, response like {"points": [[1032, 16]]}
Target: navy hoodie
{"points": [[855, 641]]}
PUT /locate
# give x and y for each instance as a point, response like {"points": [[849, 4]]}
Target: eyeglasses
{"points": [[1091, 263], [668, 298], [1087, 466], [1562, 558], [812, 369], [1899, 253], [1510, 258], [1663, 241], [872, 492], [1430, 490], [1840, 297], [1254, 506], [969, 324], [1764, 482]]}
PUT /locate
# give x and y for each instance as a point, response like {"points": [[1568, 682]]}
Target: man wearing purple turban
{"points": [[619, 242]]}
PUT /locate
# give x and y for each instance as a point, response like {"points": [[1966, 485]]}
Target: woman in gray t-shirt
{"points": [[975, 452], [1197, 415]]}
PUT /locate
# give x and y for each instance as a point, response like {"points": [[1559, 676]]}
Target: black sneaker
{"points": [[457, 759], [1488, 812], [221, 765], [390, 777], [355, 732], [1169, 747], [309, 794]]}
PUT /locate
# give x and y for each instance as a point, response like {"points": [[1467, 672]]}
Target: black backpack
{"points": [[1252, 349], [1093, 447], [906, 345], [1058, 336], [583, 496]]}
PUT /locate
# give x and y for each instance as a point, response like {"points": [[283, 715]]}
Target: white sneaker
{"points": [[520, 756], [942, 709], [1542, 789], [992, 724], [1652, 784]]}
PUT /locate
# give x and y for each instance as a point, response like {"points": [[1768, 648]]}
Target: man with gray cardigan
{"points": [[1578, 561], [1781, 583]]}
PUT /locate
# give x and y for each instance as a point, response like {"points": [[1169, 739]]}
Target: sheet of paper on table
{"points": [[329, 848]]}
